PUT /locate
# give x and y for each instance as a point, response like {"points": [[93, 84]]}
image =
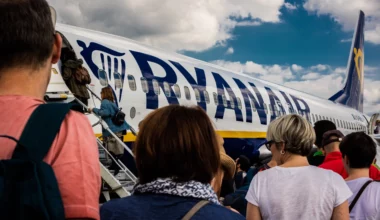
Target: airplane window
{"points": [[290, 108], [334, 121], [270, 108], [276, 112], [177, 91], [167, 89], [239, 103], [313, 116], [232, 103], [253, 106], [207, 98], [144, 85], [224, 100], [133, 112], [215, 98], [118, 81], [187, 93], [197, 95], [103, 77], [265, 108], [156, 87], [132, 82]]}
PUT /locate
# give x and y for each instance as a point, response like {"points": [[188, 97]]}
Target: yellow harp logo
{"points": [[359, 62]]}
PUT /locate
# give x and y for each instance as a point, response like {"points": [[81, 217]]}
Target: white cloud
{"points": [[273, 73], [311, 75], [248, 23], [373, 35], [345, 12], [296, 68], [324, 86], [371, 96], [320, 67], [313, 82], [195, 25], [289, 6], [346, 40], [230, 50]]}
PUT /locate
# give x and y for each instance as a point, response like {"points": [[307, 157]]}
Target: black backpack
{"points": [[28, 186], [119, 117]]}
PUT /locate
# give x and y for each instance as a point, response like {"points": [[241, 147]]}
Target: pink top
{"points": [[74, 155]]}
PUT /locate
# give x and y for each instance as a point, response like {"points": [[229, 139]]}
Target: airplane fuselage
{"points": [[240, 106]]}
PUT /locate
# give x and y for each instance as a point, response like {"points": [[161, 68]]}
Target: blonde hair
{"points": [[293, 130]]}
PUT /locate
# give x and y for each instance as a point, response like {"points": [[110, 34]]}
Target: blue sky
{"points": [[303, 44], [301, 37]]}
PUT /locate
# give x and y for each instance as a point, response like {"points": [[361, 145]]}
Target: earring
{"points": [[282, 152]]}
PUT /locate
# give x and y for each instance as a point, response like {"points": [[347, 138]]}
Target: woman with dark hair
{"points": [[107, 110], [177, 158]]}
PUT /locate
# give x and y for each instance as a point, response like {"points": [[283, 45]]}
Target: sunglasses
{"points": [[268, 144]]}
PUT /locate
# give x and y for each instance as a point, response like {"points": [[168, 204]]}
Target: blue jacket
{"points": [[160, 206], [107, 110]]}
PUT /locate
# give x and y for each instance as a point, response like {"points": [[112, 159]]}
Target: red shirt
{"points": [[334, 161]]}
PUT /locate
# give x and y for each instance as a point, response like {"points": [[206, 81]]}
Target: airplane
{"points": [[144, 78]]}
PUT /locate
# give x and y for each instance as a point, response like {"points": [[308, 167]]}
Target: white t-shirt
{"points": [[368, 205], [297, 193]]}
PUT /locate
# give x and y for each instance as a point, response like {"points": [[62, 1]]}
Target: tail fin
{"points": [[352, 93]]}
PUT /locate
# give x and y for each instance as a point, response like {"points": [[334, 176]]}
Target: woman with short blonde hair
{"points": [[294, 189]]}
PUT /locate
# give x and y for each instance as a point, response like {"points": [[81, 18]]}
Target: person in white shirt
{"points": [[295, 190], [359, 152]]}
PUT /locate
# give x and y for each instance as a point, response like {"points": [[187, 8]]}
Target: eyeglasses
{"points": [[268, 144]]}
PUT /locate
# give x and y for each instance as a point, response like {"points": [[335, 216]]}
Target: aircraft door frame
{"points": [[372, 123]]}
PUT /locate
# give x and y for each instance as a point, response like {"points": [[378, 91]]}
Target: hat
{"points": [[227, 162], [333, 133]]}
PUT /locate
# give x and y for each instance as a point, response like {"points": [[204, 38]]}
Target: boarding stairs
{"points": [[112, 186]]}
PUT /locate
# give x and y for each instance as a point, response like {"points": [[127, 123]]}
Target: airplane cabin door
{"points": [[372, 123]]}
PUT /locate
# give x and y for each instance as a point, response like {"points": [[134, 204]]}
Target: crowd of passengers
{"points": [[183, 169]]}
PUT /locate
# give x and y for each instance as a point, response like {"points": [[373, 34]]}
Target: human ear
{"points": [[56, 55]]}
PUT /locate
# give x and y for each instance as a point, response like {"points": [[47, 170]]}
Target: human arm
{"points": [[253, 212], [104, 110], [342, 193], [74, 158], [341, 212]]}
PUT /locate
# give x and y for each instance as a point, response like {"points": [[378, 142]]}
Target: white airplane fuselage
{"points": [[240, 106]]}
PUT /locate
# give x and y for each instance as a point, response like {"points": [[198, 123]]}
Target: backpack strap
{"points": [[195, 209], [359, 194], [40, 131]]}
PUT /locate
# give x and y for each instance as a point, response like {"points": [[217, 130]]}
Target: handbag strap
{"points": [[195, 209], [359, 194]]}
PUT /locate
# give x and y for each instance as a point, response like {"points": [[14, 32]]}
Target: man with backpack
{"points": [[48, 154], [359, 151], [76, 77]]}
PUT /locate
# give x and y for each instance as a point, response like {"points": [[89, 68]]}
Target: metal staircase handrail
{"points": [[120, 164], [105, 126]]}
